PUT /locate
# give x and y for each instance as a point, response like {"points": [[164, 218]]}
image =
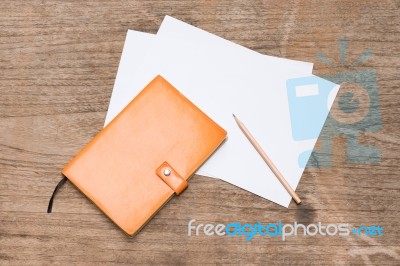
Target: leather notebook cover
{"points": [[132, 167]]}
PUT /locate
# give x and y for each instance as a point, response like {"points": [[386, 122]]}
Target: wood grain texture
{"points": [[58, 61]]}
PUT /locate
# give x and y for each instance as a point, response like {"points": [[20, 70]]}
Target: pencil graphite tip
{"points": [[234, 115]]}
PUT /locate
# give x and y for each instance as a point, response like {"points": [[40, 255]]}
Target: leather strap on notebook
{"points": [[59, 185]]}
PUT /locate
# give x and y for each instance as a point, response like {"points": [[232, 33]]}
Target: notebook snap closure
{"points": [[169, 175], [167, 172]]}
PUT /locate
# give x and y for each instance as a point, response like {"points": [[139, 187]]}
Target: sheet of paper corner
{"points": [[264, 183]]}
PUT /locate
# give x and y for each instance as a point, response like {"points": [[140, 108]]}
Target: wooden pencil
{"points": [[262, 153]]}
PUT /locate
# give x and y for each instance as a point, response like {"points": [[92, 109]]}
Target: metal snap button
{"points": [[167, 172]]}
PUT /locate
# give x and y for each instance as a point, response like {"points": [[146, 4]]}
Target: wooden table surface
{"points": [[58, 61]]}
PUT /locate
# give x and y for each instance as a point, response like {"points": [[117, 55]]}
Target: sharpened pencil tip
{"points": [[234, 115]]}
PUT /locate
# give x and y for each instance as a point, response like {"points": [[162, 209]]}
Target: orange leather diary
{"points": [[146, 155]]}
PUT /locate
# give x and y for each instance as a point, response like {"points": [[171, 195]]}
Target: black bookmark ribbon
{"points": [[59, 185]]}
